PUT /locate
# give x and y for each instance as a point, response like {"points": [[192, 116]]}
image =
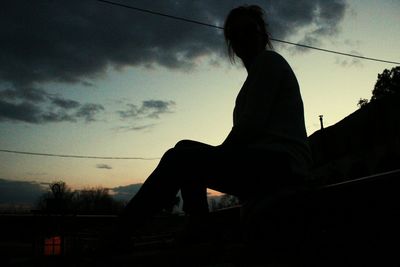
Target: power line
{"points": [[161, 14], [221, 28], [188, 21], [72, 156], [340, 53]]}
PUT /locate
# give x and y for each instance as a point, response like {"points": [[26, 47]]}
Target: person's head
{"points": [[246, 32]]}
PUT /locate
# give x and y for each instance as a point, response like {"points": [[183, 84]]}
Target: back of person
{"points": [[269, 111]]}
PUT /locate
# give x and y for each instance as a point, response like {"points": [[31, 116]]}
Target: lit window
{"points": [[52, 246]]}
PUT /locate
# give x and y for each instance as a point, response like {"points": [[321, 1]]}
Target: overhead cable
{"points": [[71, 156], [221, 28]]}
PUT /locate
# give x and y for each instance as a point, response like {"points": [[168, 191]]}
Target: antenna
{"points": [[321, 121]]}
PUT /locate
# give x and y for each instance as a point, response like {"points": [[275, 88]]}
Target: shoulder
{"points": [[273, 67], [270, 63], [272, 58]]}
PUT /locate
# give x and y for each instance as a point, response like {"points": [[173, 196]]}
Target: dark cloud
{"points": [[125, 193], [132, 111], [65, 103], [25, 93], [153, 108], [25, 111], [148, 109], [77, 41], [33, 113], [20, 192], [89, 111], [103, 166], [34, 105], [58, 116]]}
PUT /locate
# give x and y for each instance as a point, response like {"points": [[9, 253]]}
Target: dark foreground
{"points": [[348, 224]]}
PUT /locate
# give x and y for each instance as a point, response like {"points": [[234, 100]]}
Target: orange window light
{"points": [[52, 246]]}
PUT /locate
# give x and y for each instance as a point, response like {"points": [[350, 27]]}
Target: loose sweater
{"points": [[269, 112]]}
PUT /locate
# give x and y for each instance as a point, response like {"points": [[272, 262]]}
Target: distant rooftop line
{"points": [[221, 28], [72, 156]]}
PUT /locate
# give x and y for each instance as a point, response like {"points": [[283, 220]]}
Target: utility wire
{"points": [[194, 22], [339, 53], [161, 14], [72, 156], [221, 28]]}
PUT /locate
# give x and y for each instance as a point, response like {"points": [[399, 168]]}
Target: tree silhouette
{"points": [[362, 102], [96, 200], [58, 199], [388, 83], [61, 199]]}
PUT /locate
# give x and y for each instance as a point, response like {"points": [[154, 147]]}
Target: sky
{"points": [[92, 79]]}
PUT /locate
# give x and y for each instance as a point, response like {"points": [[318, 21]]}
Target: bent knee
{"points": [[185, 143], [170, 153]]}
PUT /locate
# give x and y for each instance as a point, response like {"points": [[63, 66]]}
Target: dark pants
{"points": [[192, 167]]}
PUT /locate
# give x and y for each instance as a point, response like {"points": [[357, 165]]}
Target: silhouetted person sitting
{"points": [[265, 150]]}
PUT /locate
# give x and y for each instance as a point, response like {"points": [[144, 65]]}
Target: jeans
{"points": [[192, 167]]}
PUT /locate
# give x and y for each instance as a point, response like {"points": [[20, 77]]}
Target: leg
{"points": [[193, 167], [161, 187]]}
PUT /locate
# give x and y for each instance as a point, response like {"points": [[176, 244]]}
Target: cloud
{"points": [[148, 109], [25, 111], [89, 111], [152, 109], [350, 62], [77, 41], [30, 94], [103, 166], [36, 106], [72, 41], [323, 21], [354, 62], [125, 193], [135, 127], [20, 192], [65, 103], [132, 111]]}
